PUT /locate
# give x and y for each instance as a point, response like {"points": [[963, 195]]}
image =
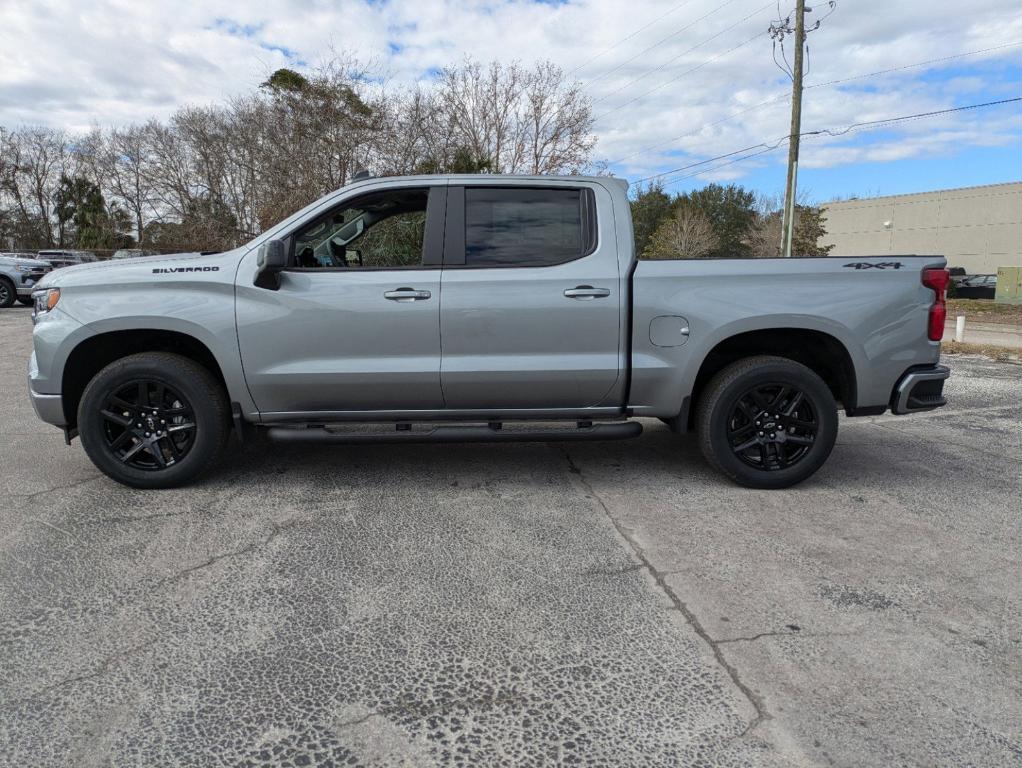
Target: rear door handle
{"points": [[406, 294], [586, 292]]}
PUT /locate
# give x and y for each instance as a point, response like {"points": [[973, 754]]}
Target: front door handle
{"points": [[586, 292], [406, 294]]}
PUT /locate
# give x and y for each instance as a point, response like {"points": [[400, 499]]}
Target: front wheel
{"points": [[8, 293], [26, 300], [153, 420], [766, 422]]}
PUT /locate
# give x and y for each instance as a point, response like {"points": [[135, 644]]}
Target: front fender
{"points": [[201, 309]]}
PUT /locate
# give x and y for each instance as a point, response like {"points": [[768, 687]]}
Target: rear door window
{"points": [[525, 227]]}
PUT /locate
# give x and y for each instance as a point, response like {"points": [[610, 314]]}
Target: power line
{"points": [[591, 59], [764, 151], [917, 64], [661, 42], [916, 116], [724, 119], [683, 53], [830, 132], [764, 145], [828, 83], [678, 77]]}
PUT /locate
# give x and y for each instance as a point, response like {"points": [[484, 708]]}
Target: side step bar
{"points": [[458, 434]]}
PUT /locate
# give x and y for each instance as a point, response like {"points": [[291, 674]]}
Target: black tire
{"points": [[26, 300], [736, 409], [187, 397], [8, 293]]}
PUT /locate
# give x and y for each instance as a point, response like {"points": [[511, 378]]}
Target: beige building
{"points": [[979, 228]]}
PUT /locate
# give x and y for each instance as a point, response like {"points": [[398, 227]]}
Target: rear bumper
{"points": [[920, 389]]}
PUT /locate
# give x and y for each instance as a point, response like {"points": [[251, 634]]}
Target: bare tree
{"points": [[510, 119], [560, 121], [34, 159], [764, 237], [125, 161], [685, 234], [216, 175]]}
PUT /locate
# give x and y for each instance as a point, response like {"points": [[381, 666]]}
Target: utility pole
{"points": [[788, 217]]}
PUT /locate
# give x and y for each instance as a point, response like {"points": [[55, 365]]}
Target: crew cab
{"points": [[478, 308]]}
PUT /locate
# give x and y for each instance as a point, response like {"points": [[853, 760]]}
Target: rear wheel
{"points": [[767, 422], [153, 420], [8, 293]]}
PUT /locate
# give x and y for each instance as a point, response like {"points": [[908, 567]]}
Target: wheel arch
{"points": [[821, 352], [96, 352]]}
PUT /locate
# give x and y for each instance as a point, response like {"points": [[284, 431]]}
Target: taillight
{"points": [[937, 280]]}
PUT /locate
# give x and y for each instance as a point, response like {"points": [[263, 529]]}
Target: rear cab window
{"points": [[521, 226]]}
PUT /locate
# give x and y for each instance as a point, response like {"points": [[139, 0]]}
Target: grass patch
{"points": [[985, 310], [1000, 354]]}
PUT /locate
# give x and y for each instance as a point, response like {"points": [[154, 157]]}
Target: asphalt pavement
{"points": [[607, 604]]}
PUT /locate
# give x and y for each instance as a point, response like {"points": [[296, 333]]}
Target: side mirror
{"points": [[271, 260]]}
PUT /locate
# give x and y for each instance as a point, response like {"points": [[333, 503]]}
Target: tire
{"points": [[26, 300], [171, 434], [737, 407], [8, 293]]}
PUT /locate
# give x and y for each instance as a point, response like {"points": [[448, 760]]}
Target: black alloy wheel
{"points": [[772, 426], [148, 425], [766, 421], [154, 420]]}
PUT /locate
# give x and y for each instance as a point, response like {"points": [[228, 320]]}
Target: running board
{"points": [[494, 433]]}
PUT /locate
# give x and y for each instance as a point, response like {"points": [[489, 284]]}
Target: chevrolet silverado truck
{"points": [[18, 278], [478, 308]]}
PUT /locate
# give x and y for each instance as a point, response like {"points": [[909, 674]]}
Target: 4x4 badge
{"points": [[878, 265]]}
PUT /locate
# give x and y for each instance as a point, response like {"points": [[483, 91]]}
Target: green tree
{"points": [[464, 160], [731, 211], [809, 231], [71, 195], [85, 220], [650, 208], [285, 80]]}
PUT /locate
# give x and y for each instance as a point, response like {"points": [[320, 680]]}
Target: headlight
{"points": [[23, 268], [46, 299]]}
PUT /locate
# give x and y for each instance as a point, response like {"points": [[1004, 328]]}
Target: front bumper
{"points": [[49, 408], [920, 389], [27, 283]]}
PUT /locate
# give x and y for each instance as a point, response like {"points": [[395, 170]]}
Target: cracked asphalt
{"points": [[597, 604]]}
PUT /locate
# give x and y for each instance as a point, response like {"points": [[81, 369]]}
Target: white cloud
{"points": [[75, 63]]}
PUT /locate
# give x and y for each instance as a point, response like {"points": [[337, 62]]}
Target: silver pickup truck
{"points": [[478, 308]]}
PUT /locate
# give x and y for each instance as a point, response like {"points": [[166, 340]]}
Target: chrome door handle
{"points": [[586, 292], [406, 294]]}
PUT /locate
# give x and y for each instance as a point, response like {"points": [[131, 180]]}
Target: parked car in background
{"points": [[18, 276], [66, 258], [977, 287], [132, 253], [957, 275]]}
